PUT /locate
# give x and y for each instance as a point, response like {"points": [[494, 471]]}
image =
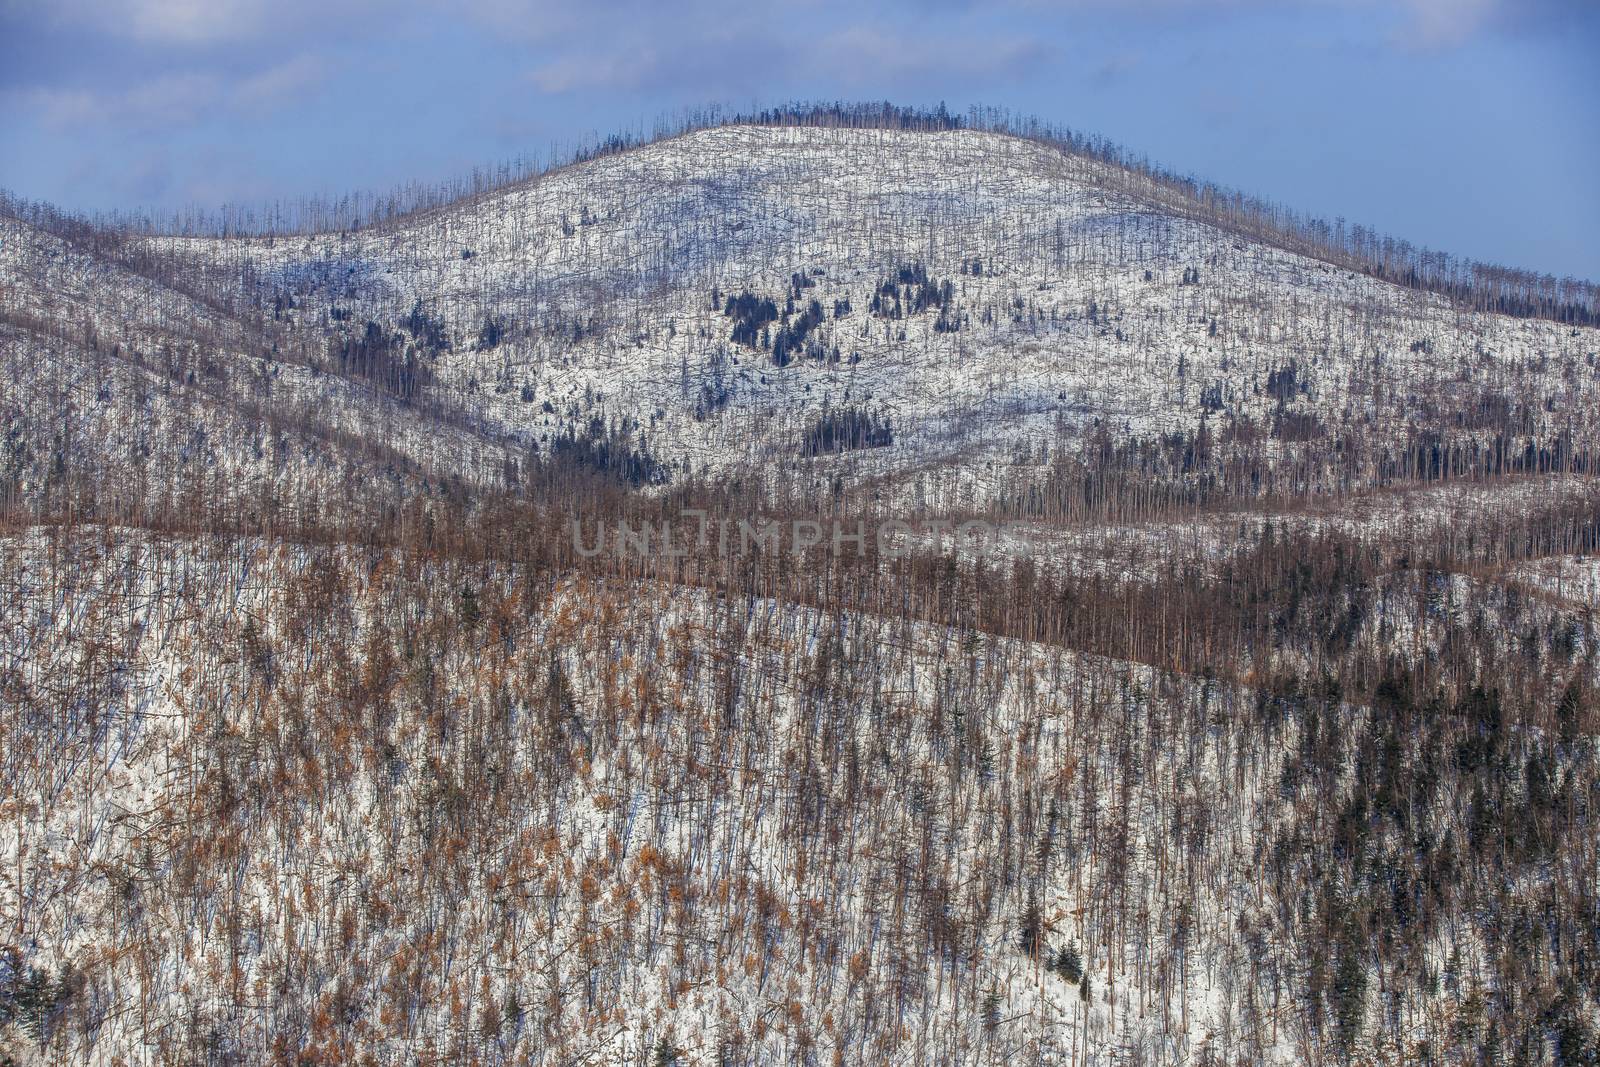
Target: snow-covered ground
{"points": [[265, 800], [1570, 578], [1070, 308], [406, 809]]}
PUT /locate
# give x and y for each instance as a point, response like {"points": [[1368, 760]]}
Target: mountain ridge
{"points": [[1355, 246], [708, 303]]}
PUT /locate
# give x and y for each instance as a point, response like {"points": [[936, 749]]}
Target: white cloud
{"points": [[197, 23], [280, 84], [171, 100], [571, 73], [1443, 23], [54, 107], [869, 54], [729, 56], [1421, 23], [538, 19], [167, 21]]}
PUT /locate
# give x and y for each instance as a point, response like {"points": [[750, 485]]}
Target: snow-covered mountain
{"points": [[978, 289], [723, 297], [319, 743]]}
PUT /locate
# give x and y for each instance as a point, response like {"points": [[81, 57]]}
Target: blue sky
{"points": [[1471, 126]]}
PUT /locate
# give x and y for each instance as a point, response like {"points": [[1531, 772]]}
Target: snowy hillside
{"points": [[978, 291], [602, 821], [1264, 730], [143, 394]]}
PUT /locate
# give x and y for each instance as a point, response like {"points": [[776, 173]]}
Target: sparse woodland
{"points": [[1269, 737]]}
